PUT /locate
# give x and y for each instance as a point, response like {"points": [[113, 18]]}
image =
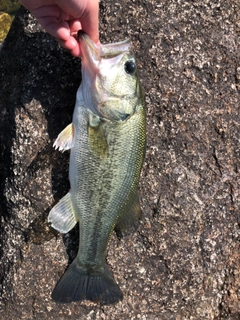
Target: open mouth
{"points": [[103, 51]]}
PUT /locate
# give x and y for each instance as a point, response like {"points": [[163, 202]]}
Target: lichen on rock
{"points": [[5, 23]]}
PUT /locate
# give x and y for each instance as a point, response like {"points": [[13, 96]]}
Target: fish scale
{"points": [[107, 141]]}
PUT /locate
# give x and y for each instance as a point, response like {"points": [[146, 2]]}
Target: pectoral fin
{"points": [[130, 217], [97, 140], [62, 217], [64, 140]]}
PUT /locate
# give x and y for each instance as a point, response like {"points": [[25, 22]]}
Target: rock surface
{"points": [[183, 262]]}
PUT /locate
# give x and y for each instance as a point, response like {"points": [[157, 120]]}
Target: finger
{"points": [[73, 45], [50, 11], [76, 51], [87, 12], [51, 18], [57, 29], [89, 21], [75, 25]]}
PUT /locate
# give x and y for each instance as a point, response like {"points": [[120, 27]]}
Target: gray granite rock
{"points": [[183, 262]]}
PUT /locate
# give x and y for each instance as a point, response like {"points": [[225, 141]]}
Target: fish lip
{"points": [[90, 50], [111, 50]]}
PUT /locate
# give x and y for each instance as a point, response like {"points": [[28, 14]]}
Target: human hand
{"points": [[62, 19]]}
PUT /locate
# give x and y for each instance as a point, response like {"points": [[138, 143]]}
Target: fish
{"points": [[106, 139]]}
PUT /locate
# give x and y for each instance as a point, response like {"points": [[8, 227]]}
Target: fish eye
{"points": [[130, 67]]}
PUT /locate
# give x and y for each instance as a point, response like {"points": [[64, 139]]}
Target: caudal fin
{"points": [[78, 284]]}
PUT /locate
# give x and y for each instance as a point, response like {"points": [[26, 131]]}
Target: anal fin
{"points": [[62, 217]]}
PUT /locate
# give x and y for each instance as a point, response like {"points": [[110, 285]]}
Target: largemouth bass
{"points": [[107, 142]]}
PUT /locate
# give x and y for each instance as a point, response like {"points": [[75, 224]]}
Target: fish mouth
{"points": [[93, 53]]}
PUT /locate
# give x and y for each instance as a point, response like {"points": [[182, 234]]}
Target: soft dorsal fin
{"points": [[131, 216]]}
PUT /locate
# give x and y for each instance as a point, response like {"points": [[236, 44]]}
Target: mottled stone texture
{"points": [[183, 262]]}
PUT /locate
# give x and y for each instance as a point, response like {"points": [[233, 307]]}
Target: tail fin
{"points": [[78, 284]]}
